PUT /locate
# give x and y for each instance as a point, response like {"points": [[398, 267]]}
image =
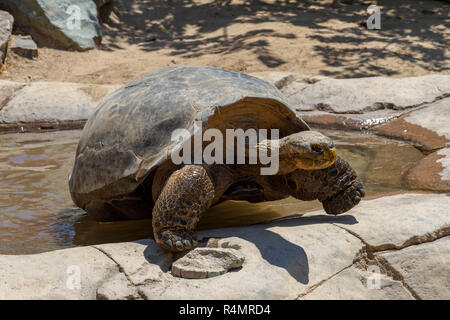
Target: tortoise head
{"points": [[308, 150]]}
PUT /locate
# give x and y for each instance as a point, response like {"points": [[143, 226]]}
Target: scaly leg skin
{"points": [[187, 194], [337, 187]]}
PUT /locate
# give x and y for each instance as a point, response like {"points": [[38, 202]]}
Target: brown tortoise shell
{"points": [[129, 134]]}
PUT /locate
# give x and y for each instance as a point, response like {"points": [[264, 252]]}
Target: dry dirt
{"points": [[307, 37]]}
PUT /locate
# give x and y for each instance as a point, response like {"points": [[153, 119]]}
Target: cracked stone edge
{"points": [[371, 255], [138, 293]]}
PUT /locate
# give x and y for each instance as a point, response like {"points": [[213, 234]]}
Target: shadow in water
{"points": [[87, 231], [227, 214]]}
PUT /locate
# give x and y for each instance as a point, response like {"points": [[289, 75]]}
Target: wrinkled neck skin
{"points": [[308, 150], [294, 151], [285, 154], [278, 152]]}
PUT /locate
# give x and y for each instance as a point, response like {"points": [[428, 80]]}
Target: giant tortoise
{"points": [[124, 166]]}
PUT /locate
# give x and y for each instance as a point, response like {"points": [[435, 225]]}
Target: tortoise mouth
{"points": [[316, 161]]}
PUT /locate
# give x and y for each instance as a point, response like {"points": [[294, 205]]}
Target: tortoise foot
{"points": [[344, 200], [175, 240]]}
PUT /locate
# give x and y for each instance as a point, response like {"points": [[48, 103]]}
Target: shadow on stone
{"points": [[284, 254], [156, 256], [273, 248]]}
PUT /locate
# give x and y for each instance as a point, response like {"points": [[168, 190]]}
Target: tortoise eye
{"points": [[317, 149]]}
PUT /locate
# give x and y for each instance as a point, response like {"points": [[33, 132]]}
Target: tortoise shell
{"points": [[129, 134]]}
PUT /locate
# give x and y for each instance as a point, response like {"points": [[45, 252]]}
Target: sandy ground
{"points": [[308, 37]]}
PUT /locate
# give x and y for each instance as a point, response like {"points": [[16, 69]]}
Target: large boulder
{"points": [[59, 21], [6, 25], [101, 3]]}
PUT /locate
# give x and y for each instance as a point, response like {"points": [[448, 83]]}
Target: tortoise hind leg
{"points": [[187, 194]]}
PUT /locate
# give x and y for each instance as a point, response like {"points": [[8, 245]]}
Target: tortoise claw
{"points": [[175, 240], [179, 246], [187, 244], [344, 200]]}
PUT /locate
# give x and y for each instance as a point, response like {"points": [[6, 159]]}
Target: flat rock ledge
{"points": [[415, 109], [39, 106], [394, 247], [420, 104], [360, 103]]}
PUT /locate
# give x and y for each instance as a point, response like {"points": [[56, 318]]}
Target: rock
{"points": [[398, 221], [7, 91], [6, 26], [425, 268], [117, 288], [432, 173], [66, 274], [47, 105], [428, 128], [25, 47], [344, 96], [356, 103], [366, 120], [101, 3], [203, 263], [357, 284], [142, 261], [58, 20]]}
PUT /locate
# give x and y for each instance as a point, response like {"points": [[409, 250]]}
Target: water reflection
{"points": [[37, 213]]}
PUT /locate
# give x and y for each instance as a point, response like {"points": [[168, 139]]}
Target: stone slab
{"points": [[400, 220], [425, 268]]}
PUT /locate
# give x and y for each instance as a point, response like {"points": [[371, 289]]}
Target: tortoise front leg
{"points": [[337, 187], [187, 194]]}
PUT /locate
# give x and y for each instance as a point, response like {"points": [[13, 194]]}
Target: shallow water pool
{"points": [[37, 213]]}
